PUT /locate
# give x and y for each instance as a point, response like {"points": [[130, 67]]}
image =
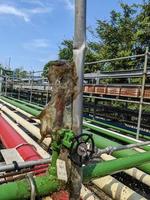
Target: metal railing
{"points": [[35, 82]]}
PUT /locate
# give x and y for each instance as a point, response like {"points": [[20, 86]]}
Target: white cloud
{"points": [[23, 12], [69, 4], [37, 43], [39, 10], [10, 10]]}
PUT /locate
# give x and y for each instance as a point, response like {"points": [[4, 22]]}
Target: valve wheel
{"points": [[82, 149]]}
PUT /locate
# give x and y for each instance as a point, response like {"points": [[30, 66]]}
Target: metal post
{"points": [[47, 94], [32, 77], [12, 85], [79, 47], [142, 94], [19, 87], [5, 85], [94, 111], [1, 72]]}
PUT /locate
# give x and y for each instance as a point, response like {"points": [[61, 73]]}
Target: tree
{"points": [[46, 68], [126, 33], [20, 73], [66, 50]]}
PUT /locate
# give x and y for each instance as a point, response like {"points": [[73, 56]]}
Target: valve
{"points": [[82, 149]]}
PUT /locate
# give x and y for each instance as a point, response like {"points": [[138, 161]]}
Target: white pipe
{"points": [[39, 149], [28, 126], [87, 194], [116, 190], [19, 110], [113, 132], [134, 172]]}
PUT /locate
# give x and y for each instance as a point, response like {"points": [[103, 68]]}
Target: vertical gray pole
{"points": [[32, 80], [6, 84], [19, 85], [9, 61], [1, 78], [47, 93], [142, 94], [79, 47]]}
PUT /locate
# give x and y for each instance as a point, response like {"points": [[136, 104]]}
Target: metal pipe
{"points": [[26, 103], [47, 184], [102, 142], [110, 150], [32, 81], [24, 107], [79, 47], [109, 167], [115, 135], [7, 174], [22, 165], [112, 133], [117, 128], [115, 59], [6, 78], [113, 99], [142, 93]]}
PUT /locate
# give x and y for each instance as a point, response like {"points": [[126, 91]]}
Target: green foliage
{"points": [[126, 33], [20, 73], [46, 68], [66, 50]]}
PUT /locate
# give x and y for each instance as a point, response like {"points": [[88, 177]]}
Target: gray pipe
{"points": [[26, 164]]}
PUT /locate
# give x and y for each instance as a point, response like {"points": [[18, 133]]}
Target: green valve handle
{"points": [[68, 138]]}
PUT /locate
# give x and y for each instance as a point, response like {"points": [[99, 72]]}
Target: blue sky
{"points": [[32, 30]]}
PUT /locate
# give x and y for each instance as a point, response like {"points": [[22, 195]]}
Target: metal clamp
{"points": [[32, 186]]}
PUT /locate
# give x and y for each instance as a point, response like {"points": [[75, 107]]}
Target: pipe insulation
{"points": [[16, 109], [120, 129], [115, 135], [38, 121], [39, 149], [21, 189], [134, 172], [100, 141], [116, 190], [11, 139], [30, 127], [22, 106]]}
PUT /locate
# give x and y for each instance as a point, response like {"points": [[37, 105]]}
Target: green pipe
{"points": [[117, 128], [44, 184], [109, 133], [26, 108], [48, 184], [25, 103], [98, 139], [102, 143], [109, 167]]}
